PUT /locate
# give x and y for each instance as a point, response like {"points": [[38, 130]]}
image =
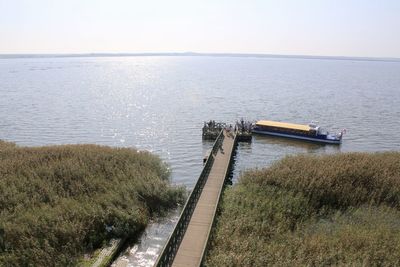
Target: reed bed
{"points": [[59, 202], [331, 210]]}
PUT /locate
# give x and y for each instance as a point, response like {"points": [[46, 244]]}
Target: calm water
{"points": [[159, 104]]}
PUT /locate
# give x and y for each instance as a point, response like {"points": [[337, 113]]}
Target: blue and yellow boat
{"points": [[310, 132]]}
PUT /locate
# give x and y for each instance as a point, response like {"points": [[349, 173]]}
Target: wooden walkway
{"points": [[193, 245]]}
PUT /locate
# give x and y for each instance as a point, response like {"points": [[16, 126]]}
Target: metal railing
{"points": [[171, 247]]}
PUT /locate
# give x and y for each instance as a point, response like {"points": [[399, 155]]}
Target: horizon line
{"points": [[133, 54]]}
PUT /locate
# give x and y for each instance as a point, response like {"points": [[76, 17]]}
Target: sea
{"points": [[160, 103]]}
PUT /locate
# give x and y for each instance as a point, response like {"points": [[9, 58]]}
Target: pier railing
{"points": [[171, 247]]}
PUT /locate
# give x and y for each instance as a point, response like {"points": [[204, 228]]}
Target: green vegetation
{"points": [[59, 202], [335, 210]]}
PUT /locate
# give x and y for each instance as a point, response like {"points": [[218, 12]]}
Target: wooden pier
{"points": [[188, 242]]}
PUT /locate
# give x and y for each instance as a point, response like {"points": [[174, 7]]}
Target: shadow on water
{"points": [[260, 139], [308, 146], [231, 169]]}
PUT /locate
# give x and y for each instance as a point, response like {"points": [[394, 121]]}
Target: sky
{"points": [[366, 28]]}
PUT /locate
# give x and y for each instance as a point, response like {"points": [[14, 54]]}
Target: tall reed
{"points": [[341, 209], [58, 202]]}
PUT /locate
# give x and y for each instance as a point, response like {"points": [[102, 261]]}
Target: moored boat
{"points": [[310, 132]]}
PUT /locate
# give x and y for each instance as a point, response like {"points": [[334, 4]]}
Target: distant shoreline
{"points": [[192, 54]]}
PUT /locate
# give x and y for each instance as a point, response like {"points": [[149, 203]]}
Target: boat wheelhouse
{"points": [[310, 132]]}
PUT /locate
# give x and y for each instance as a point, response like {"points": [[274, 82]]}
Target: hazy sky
{"points": [[307, 27]]}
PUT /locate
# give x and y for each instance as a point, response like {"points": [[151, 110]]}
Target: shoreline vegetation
{"points": [[58, 203], [340, 210]]}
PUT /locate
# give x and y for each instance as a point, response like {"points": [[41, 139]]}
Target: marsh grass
{"points": [[56, 201], [327, 210]]}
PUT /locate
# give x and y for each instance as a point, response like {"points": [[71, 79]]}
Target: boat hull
{"points": [[308, 138]]}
